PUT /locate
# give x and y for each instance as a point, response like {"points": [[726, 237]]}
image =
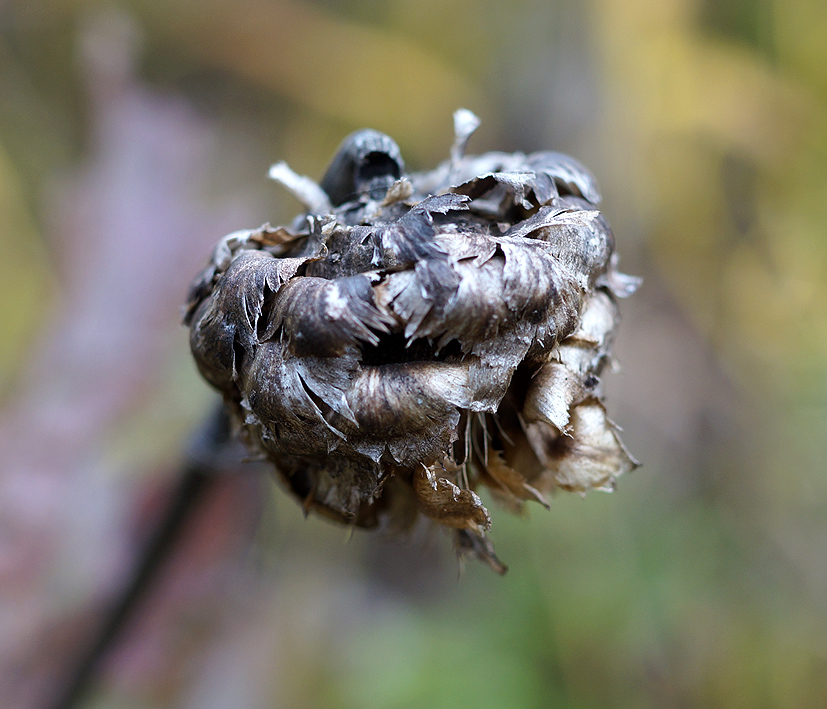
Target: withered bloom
{"points": [[414, 336]]}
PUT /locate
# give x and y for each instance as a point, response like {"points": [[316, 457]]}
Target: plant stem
{"points": [[197, 475]]}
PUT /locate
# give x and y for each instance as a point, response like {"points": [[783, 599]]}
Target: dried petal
{"points": [[448, 504], [508, 484], [594, 456]]}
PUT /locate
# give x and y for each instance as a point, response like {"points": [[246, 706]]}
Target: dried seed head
{"points": [[412, 337]]}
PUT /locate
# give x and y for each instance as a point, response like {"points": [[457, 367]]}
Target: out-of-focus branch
{"points": [[198, 470]]}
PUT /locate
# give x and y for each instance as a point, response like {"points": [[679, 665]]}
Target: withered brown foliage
{"points": [[412, 337]]}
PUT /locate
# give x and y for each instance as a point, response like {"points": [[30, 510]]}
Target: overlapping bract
{"points": [[412, 337]]}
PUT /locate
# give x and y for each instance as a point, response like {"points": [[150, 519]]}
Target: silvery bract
{"points": [[412, 337]]}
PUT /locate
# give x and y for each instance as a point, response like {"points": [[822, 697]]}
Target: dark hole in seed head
{"points": [[377, 164], [393, 348]]}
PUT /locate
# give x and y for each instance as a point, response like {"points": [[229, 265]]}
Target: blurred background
{"points": [[134, 134]]}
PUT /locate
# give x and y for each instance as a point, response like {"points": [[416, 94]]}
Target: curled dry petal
{"points": [[447, 503], [414, 337]]}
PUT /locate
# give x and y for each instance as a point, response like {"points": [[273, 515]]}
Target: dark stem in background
{"points": [[198, 473]]}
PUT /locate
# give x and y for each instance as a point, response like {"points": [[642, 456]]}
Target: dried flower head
{"points": [[414, 336]]}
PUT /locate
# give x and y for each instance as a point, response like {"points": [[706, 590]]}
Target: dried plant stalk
{"points": [[411, 337]]}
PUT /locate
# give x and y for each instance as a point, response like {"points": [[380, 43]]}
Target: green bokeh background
{"points": [[702, 582]]}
